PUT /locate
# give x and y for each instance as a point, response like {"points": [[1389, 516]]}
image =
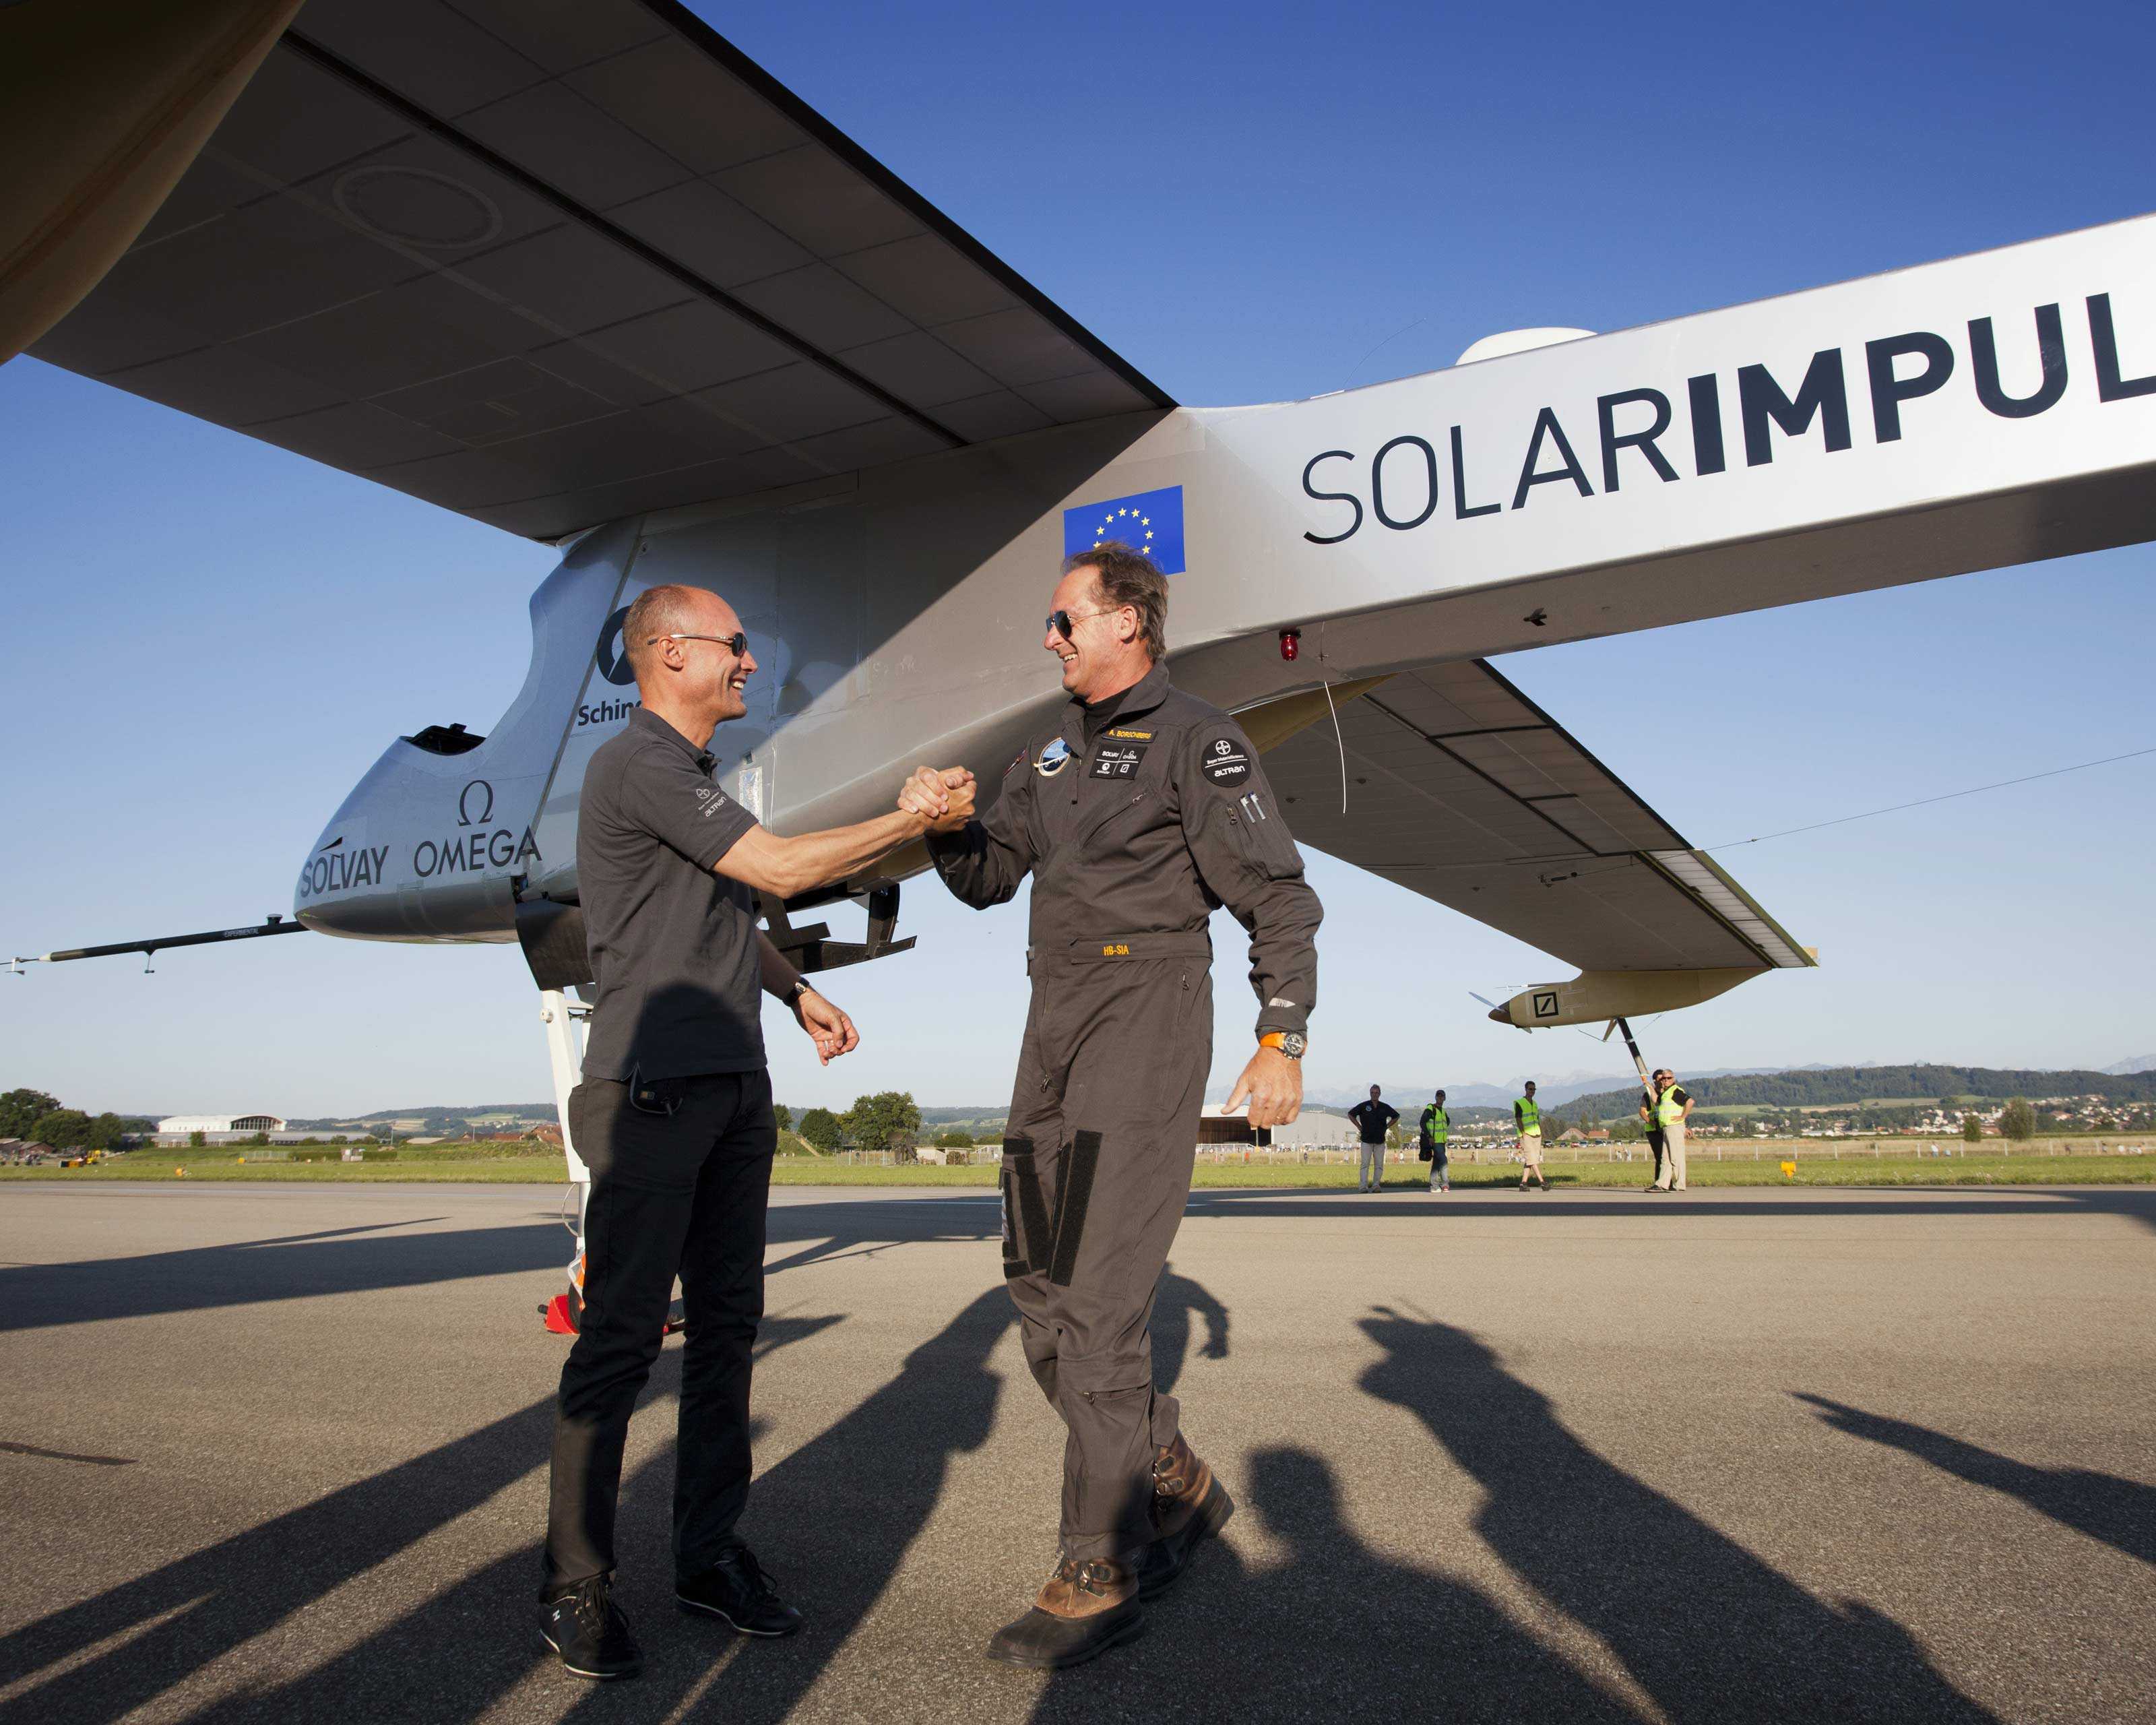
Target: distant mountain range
{"points": [[2140, 1062], [1551, 1089]]}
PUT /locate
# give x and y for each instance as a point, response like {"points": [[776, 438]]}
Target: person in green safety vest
{"points": [[1672, 1107], [1527, 1117], [1435, 1131]]}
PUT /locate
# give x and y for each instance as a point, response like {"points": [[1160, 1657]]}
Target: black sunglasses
{"points": [[1059, 622], [736, 643]]}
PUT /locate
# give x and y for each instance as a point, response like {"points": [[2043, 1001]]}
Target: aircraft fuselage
{"points": [[1987, 410]]}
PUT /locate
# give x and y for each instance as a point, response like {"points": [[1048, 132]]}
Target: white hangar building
{"points": [[216, 1128]]}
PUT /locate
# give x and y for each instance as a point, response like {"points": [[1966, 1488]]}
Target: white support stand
{"points": [[566, 1022]]}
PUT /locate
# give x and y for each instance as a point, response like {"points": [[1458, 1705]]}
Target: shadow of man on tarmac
{"points": [[851, 1502], [1177, 1301], [449, 1657], [1707, 1629], [1334, 1631], [2120, 1513]]}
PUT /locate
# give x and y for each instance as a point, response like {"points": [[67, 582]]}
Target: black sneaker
{"points": [[587, 1629], [738, 1592]]}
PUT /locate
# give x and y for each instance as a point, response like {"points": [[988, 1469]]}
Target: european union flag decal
{"points": [[1151, 522]]}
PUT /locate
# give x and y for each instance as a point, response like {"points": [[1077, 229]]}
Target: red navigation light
{"points": [[1291, 643]]}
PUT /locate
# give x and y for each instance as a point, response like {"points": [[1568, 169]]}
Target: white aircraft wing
{"points": [[1461, 789], [549, 265]]}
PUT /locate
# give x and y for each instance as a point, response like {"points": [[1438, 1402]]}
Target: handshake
{"points": [[943, 797]]}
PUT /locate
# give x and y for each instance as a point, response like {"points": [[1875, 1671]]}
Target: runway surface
{"points": [[278, 1453]]}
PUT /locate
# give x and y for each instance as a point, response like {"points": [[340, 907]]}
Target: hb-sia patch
{"points": [[1224, 763]]}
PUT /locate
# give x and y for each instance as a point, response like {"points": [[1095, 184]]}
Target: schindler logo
{"points": [[613, 659]]}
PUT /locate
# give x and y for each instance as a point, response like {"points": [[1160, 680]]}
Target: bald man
{"points": [[674, 1118]]}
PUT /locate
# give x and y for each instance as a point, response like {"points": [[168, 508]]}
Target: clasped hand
{"points": [[943, 797]]}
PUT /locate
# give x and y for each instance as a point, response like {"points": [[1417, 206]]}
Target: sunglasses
{"points": [[1059, 621], [736, 643]]}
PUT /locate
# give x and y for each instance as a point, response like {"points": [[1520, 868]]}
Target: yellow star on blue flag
{"points": [[1151, 522]]}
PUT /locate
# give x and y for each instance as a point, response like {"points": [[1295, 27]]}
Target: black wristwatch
{"points": [[801, 986], [1292, 1043]]}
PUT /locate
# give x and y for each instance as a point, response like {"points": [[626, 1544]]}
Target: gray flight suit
{"points": [[1137, 820]]}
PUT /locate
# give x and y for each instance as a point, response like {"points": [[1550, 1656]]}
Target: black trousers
{"points": [[679, 1188], [1097, 1169]]}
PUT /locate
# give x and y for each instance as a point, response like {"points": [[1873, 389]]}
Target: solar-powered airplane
{"points": [[591, 275]]}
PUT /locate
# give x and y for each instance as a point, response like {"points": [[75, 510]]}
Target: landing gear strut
{"points": [[1638, 1065], [567, 1023]]}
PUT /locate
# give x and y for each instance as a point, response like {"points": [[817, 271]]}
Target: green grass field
{"points": [[2020, 1169]]}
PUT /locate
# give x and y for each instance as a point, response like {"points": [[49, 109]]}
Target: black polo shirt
{"points": [[673, 946], [1372, 1118]]}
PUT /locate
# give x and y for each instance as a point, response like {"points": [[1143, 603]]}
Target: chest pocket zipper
{"points": [[1114, 812]]}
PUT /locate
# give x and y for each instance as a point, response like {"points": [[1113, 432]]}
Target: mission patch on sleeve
{"points": [[1225, 761]]}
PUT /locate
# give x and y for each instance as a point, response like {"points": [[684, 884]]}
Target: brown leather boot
{"points": [[1083, 1610], [1189, 1503]]}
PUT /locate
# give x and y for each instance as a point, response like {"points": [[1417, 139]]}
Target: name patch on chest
{"points": [[1117, 760]]}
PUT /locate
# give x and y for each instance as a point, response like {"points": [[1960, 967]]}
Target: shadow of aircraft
{"points": [[2120, 1513], [354, 1260], [1709, 1630], [1602, 1204], [345, 1260], [247, 1272]]}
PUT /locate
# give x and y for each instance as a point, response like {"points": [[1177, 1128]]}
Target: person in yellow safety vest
{"points": [[1435, 1131], [1527, 1117], [1672, 1107]]}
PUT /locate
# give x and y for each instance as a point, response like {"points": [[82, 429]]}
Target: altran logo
{"points": [[613, 659]]}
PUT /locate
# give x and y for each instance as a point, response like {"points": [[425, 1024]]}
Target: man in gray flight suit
{"points": [[1138, 811]]}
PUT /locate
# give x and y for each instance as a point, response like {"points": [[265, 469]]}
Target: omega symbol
{"points": [[465, 818]]}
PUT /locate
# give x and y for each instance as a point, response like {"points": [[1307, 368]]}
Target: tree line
{"points": [[1851, 1085], [889, 1120], [37, 1118]]}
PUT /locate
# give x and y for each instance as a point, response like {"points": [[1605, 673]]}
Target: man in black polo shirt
{"points": [[1373, 1120], [674, 1118]]}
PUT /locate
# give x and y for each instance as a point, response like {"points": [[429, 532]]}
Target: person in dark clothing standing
{"points": [[1672, 1114], [1373, 1120], [1657, 1147], [1138, 810], [674, 1118]]}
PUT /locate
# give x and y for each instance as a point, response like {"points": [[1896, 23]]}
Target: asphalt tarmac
{"points": [[278, 1453]]}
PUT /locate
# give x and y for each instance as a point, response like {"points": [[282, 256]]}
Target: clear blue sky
{"points": [[210, 639]]}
